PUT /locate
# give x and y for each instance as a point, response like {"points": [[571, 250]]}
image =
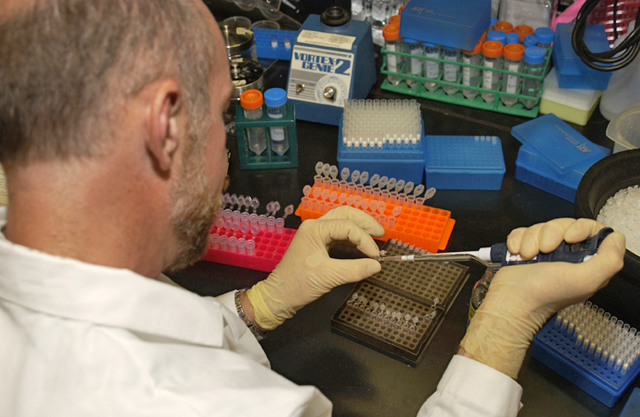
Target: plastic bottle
{"points": [[393, 43], [513, 55], [413, 65], [431, 68], [523, 31], [276, 101], [480, 290], [545, 38], [533, 65], [451, 71], [512, 38], [497, 35], [492, 53], [251, 102], [506, 27], [471, 76]]}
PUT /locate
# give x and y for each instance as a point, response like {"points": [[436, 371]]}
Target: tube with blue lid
{"points": [[276, 100]]}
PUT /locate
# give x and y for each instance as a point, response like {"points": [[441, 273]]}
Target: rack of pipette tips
{"points": [[398, 310], [397, 205], [249, 240], [592, 349]]}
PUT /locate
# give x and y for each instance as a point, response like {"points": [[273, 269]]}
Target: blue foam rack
{"points": [[266, 38], [563, 350]]}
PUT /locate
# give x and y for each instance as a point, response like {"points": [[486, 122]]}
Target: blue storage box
{"points": [[453, 23], [571, 71], [554, 156], [464, 163]]}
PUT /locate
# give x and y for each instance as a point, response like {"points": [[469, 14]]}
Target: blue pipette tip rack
{"points": [[464, 163], [557, 349]]}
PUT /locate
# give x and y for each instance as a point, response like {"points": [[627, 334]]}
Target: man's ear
{"points": [[166, 123]]}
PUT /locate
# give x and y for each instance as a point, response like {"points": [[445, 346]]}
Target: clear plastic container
{"points": [[492, 53], [393, 43], [534, 61], [471, 76], [413, 65], [451, 71], [251, 102], [276, 101], [513, 56], [535, 13], [545, 38], [431, 68]]}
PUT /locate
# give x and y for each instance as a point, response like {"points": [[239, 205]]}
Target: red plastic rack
{"points": [[269, 249], [427, 228]]}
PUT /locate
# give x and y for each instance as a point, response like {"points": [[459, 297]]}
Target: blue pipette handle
{"points": [[573, 253]]}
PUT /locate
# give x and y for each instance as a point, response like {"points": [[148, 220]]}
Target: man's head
{"points": [[68, 69]]}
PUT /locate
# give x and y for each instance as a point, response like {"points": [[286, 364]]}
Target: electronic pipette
{"points": [[499, 254]]}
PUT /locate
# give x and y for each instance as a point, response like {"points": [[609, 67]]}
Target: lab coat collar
{"points": [[113, 297]]}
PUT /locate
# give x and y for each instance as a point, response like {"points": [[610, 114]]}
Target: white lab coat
{"points": [[84, 340]]}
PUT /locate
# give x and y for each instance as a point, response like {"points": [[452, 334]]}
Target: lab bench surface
{"points": [[363, 382]]}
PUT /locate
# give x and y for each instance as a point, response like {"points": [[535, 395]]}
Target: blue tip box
{"points": [[554, 156], [464, 163], [453, 23], [571, 71]]}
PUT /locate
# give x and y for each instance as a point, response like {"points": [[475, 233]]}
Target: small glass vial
{"points": [[545, 38], [471, 76], [414, 64], [251, 102], [431, 68], [530, 40], [534, 60], [276, 101], [497, 35], [451, 71], [393, 43], [523, 31], [480, 290], [513, 54], [512, 38], [492, 53], [506, 27]]}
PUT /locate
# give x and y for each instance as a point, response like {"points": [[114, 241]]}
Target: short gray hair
{"points": [[67, 66]]}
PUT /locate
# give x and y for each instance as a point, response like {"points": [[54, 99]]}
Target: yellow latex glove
{"points": [[522, 298], [306, 271]]}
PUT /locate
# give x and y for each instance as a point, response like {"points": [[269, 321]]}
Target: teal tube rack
{"points": [[268, 159]]}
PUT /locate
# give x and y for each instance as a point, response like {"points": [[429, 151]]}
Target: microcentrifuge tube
{"points": [[255, 228], [224, 242], [233, 244], [215, 241], [325, 169], [410, 201], [240, 202], [279, 225], [271, 224], [397, 210], [391, 184], [355, 175], [333, 171], [364, 177], [393, 197], [419, 203], [373, 181], [242, 245], [251, 247], [430, 193], [255, 203], [399, 186], [288, 211], [381, 206], [318, 167], [317, 181], [417, 192], [408, 187], [342, 199], [233, 200], [306, 190], [317, 192], [325, 194], [382, 182], [344, 174]]}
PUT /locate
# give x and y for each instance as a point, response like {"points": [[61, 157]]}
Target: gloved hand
{"points": [[306, 271], [522, 298]]}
